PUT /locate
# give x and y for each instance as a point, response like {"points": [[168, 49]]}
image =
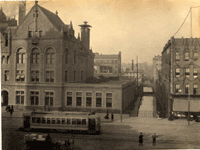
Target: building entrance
{"points": [[4, 98]]}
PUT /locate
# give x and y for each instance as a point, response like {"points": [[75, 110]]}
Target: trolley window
{"points": [[78, 121], [43, 120], [38, 120], [34, 120], [68, 121], [58, 120], [48, 121], [73, 121], [83, 121], [63, 120], [53, 121]]}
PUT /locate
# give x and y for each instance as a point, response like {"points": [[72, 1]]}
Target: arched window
{"points": [[187, 86], [35, 56], [3, 60], [75, 57], [195, 73], [177, 88], [177, 56], [66, 56], [177, 72], [195, 56], [187, 57], [195, 89], [21, 56], [50, 56], [187, 72]]}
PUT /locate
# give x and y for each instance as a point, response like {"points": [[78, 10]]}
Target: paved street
{"points": [[115, 135]]}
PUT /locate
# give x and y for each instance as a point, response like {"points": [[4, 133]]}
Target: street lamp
{"points": [[179, 91]]}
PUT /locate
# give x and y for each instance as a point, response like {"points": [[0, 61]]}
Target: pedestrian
{"points": [[154, 139], [8, 108], [112, 117], [140, 139], [11, 110]]}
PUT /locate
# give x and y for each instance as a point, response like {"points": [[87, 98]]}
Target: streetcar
{"points": [[70, 121]]}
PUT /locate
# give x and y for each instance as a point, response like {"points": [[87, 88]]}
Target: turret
{"points": [[22, 11], [85, 35]]}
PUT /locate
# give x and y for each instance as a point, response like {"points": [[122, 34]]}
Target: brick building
{"points": [[41, 58], [157, 61], [107, 65], [180, 74]]}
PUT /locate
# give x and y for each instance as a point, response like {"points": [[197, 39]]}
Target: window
{"points": [[3, 60], [195, 73], [40, 33], [195, 55], [58, 120], [79, 122], [66, 75], [43, 120], [49, 76], [34, 98], [187, 56], [53, 121], [66, 56], [177, 88], [38, 120], [78, 98], [8, 60], [34, 75], [69, 98], [177, 72], [88, 99], [73, 121], [21, 56], [195, 89], [50, 56], [20, 75], [187, 72], [35, 56], [81, 75], [6, 75], [98, 99], [108, 99], [48, 121], [34, 120], [187, 86], [75, 57], [83, 121], [63, 120], [19, 97], [30, 33], [74, 75], [68, 121], [49, 96], [177, 56]]}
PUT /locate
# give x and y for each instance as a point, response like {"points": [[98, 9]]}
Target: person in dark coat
{"points": [[140, 139], [112, 116], [11, 110], [154, 139]]}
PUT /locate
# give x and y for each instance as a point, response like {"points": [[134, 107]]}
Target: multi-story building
{"points": [[157, 61], [181, 74], [107, 65], [41, 57]]}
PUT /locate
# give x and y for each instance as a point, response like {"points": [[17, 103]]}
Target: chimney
{"points": [[85, 35], [22, 11], [132, 65]]}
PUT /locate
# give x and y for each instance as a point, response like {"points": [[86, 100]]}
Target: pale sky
{"points": [[134, 27]]}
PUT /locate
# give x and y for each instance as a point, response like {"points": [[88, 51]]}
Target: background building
{"points": [[157, 61], [180, 74], [42, 56], [107, 65]]}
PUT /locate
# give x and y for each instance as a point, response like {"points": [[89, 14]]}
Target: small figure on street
{"points": [[154, 139], [112, 117], [140, 139], [107, 116], [8, 108], [11, 110]]}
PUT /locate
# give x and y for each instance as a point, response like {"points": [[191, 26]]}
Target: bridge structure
{"points": [[147, 91]]}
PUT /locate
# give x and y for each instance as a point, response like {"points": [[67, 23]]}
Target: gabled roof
{"points": [[55, 19]]}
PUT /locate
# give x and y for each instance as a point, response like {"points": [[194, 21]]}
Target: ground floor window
{"points": [[34, 97], [78, 98], [88, 99], [49, 96], [19, 97], [98, 99], [108, 99], [69, 98]]}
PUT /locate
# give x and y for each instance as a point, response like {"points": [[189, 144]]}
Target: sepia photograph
{"points": [[100, 75]]}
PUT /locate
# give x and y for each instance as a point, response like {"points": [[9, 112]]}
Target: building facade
{"points": [[107, 65], [180, 74], [41, 58], [157, 61]]}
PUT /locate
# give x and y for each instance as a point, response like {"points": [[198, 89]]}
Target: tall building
{"points": [[107, 65], [42, 56], [181, 74], [157, 61]]}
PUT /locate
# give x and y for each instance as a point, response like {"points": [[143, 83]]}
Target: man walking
{"points": [[112, 117], [154, 139], [140, 139], [11, 110]]}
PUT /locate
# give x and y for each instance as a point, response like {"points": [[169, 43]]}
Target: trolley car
{"points": [[76, 121]]}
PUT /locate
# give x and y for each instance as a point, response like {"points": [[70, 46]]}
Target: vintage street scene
{"points": [[100, 75]]}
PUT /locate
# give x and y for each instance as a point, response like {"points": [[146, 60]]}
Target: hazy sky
{"points": [[134, 27]]}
